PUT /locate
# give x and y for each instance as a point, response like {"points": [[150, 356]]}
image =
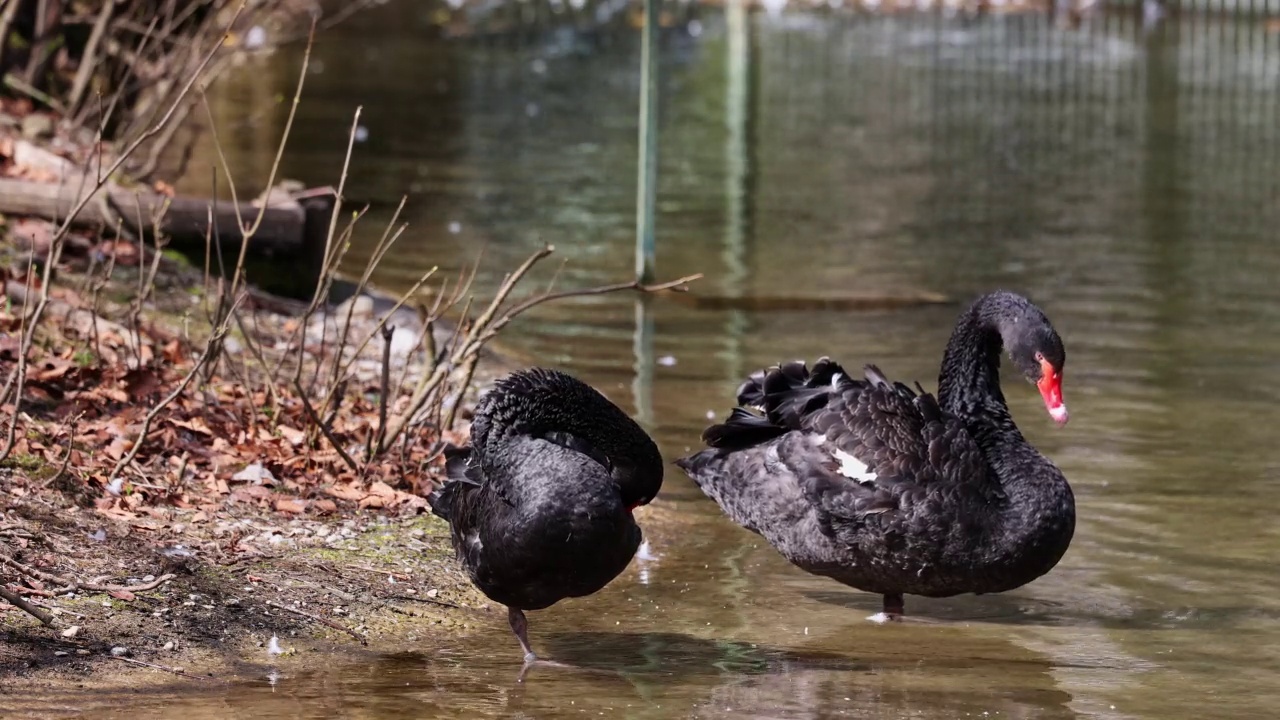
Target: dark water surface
{"points": [[1128, 184]]}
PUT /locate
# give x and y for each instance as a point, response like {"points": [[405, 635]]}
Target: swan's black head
{"points": [[1037, 352]]}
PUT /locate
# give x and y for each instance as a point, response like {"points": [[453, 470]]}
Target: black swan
{"points": [[894, 492], [539, 505]]}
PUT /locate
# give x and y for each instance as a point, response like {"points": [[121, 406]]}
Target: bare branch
{"points": [[19, 602]]}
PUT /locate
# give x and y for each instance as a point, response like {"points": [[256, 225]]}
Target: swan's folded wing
{"points": [[887, 448]]}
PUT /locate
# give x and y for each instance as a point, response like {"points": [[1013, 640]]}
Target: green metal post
{"points": [[646, 205], [647, 181]]}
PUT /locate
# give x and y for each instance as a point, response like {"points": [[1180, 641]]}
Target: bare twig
{"points": [[6, 21], [32, 572], [680, 285], [319, 619], [29, 325], [66, 459], [19, 602], [288, 125], [384, 391], [142, 587], [88, 57], [165, 668], [74, 585], [324, 427], [489, 323], [429, 601], [104, 177], [218, 334], [469, 372]]}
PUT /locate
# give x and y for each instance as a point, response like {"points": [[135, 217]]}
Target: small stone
{"points": [[82, 651], [231, 602], [432, 592], [120, 651], [169, 645], [61, 653], [71, 631]]}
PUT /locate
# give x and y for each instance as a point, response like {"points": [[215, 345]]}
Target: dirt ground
{"points": [[351, 580], [154, 578]]}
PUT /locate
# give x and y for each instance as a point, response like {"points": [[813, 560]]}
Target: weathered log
{"points": [[185, 221]]}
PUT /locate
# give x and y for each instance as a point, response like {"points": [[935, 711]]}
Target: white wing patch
{"points": [[835, 380], [853, 468]]}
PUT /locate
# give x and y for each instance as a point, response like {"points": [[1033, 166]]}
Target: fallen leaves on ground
{"points": [[220, 444]]}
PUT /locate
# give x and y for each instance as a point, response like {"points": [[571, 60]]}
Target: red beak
{"points": [[1050, 386]]}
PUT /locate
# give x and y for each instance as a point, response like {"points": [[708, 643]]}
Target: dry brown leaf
{"points": [[249, 494], [51, 369], [140, 384], [345, 492], [383, 490], [291, 505], [122, 595], [117, 448], [294, 436], [173, 352], [373, 501], [195, 424]]}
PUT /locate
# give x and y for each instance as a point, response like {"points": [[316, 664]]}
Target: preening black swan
{"points": [[539, 506], [892, 491]]}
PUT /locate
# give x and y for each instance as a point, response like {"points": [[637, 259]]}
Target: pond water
{"points": [[1127, 183]]}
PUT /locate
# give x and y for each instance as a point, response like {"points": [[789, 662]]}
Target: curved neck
{"points": [[1040, 501], [969, 380]]}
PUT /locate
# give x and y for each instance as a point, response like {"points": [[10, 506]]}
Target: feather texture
{"points": [[876, 485], [539, 505]]}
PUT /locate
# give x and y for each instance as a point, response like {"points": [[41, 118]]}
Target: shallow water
{"points": [[1129, 185]]}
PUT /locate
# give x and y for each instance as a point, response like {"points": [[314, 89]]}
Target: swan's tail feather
{"points": [[743, 429], [782, 396]]}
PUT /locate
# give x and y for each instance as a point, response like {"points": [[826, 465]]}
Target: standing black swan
{"points": [[894, 492], [539, 506]]}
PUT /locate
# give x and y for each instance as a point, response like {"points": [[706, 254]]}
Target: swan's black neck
{"points": [[1041, 507], [969, 382]]}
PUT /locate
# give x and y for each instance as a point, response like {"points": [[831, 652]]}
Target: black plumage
{"points": [[889, 489], [540, 504]]}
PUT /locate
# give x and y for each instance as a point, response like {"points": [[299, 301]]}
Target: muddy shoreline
{"points": [[351, 579]]}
